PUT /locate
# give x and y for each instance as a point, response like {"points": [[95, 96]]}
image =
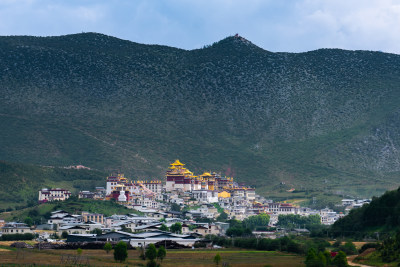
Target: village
{"points": [[183, 210]]}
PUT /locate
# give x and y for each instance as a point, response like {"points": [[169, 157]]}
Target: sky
{"points": [[274, 25]]}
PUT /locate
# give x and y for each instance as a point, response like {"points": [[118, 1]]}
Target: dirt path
{"points": [[351, 263]]}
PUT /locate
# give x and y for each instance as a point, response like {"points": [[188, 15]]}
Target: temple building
{"points": [[123, 190], [48, 195], [180, 178]]}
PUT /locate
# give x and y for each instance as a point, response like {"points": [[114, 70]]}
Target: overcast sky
{"points": [[275, 25]]}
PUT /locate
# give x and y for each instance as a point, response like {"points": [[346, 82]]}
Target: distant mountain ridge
{"points": [[323, 119]]}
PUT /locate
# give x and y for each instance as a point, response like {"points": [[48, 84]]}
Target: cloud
{"points": [[294, 26]]}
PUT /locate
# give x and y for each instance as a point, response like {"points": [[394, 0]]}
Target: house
{"points": [[48, 195], [205, 196], [144, 239], [15, 228], [81, 238], [86, 194], [348, 202], [115, 236], [94, 217], [201, 230], [72, 229]]}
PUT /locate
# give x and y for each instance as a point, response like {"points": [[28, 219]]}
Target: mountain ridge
{"points": [[232, 107]]}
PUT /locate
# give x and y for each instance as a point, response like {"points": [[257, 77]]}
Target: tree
{"points": [[340, 260], [222, 217], [312, 259], [349, 248], [175, 207], [151, 252], [257, 220], [64, 234], [121, 251], [97, 231], [163, 227], [79, 252], [176, 228], [28, 221], [107, 247], [217, 259], [161, 253]]}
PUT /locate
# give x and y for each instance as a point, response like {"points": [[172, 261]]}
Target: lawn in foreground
{"points": [[174, 258]]}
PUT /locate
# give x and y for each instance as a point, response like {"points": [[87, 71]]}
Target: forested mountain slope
{"points": [[325, 119]]}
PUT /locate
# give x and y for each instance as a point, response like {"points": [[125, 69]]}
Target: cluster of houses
{"points": [[200, 197]]}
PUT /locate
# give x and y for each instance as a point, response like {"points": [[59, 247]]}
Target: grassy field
{"points": [[10, 256]]}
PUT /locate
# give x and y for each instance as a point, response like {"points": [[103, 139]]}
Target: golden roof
{"points": [[172, 167], [177, 163], [206, 174]]}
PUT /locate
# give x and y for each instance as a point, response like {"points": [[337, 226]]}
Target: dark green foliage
{"points": [[97, 231], [390, 249], [245, 227], [176, 228], [175, 207], [238, 231], [349, 248], [256, 220], [297, 221], [151, 252], [28, 221], [64, 234], [340, 260], [27, 236], [222, 217], [217, 259], [383, 212], [161, 253], [151, 263], [107, 247], [96, 100], [120, 251], [163, 227]]}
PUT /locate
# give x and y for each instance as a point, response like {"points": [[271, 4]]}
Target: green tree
{"points": [[79, 251], [340, 260], [151, 252], [97, 231], [257, 220], [163, 227], [222, 217], [161, 253], [349, 248], [176, 228], [64, 234], [321, 259], [312, 259], [107, 247], [121, 251], [175, 207], [217, 259], [28, 221], [328, 257]]}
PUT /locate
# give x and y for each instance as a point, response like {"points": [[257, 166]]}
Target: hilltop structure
{"points": [[122, 190], [48, 195], [181, 179]]}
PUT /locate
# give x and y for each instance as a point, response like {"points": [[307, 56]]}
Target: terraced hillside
{"points": [[326, 119]]}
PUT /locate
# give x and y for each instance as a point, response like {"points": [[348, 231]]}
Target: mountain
{"points": [[321, 120]]}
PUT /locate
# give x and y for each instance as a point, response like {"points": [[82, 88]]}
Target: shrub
{"points": [[121, 251]]}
